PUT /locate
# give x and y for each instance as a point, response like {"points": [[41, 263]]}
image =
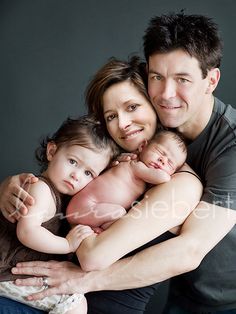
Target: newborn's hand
{"points": [[124, 157], [77, 235]]}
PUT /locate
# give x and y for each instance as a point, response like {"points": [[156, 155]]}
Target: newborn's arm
{"points": [[149, 175]]}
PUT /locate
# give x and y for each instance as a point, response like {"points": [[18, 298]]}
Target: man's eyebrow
{"points": [[176, 74], [153, 72], [183, 74]]}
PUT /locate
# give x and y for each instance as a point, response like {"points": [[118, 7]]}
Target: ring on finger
{"points": [[45, 282]]}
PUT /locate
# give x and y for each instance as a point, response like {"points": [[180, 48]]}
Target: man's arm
{"points": [[163, 207], [203, 229]]}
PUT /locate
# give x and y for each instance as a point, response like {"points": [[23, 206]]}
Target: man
{"points": [[183, 56]]}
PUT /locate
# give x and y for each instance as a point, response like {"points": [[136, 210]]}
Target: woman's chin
{"points": [[132, 145]]}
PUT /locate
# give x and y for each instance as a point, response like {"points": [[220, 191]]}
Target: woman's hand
{"points": [[124, 157], [62, 278], [77, 235], [14, 197]]}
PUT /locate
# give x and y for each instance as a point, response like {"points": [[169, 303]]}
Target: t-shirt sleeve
{"points": [[220, 184]]}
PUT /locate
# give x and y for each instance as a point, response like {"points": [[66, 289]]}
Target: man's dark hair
{"points": [[195, 34]]}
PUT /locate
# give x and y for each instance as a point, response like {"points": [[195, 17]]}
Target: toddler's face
{"points": [[71, 168]]}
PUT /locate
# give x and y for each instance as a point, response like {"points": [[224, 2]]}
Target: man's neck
{"points": [[191, 129]]}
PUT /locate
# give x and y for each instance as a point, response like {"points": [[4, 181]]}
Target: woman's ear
{"points": [[51, 150]]}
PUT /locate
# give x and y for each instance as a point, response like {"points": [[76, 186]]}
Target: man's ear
{"points": [[142, 145], [213, 77], [51, 150]]}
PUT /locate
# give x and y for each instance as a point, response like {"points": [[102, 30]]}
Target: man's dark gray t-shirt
{"points": [[212, 286]]}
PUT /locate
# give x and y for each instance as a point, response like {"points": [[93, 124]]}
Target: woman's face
{"points": [[130, 117]]}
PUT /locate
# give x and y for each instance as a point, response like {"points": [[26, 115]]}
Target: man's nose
{"points": [[169, 90]]}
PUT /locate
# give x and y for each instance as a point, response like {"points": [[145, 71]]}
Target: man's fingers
{"points": [[44, 293], [34, 271], [34, 281], [42, 264]]}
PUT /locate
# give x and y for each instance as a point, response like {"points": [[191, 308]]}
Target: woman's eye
{"points": [[132, 107], [110, 117], [88, 173], [72, 161]]}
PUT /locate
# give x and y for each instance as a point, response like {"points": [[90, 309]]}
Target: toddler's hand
{"points": [[77, 235]]}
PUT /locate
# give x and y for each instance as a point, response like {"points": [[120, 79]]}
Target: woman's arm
{"points": [[14, 197], [163, 207]]}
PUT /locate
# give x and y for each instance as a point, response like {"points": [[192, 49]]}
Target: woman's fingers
{"points": [[126, 157]]}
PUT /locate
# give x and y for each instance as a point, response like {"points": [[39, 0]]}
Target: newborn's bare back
{"points": [[116, 186]]}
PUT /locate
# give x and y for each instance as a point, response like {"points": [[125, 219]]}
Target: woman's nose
{"points": [[124, 122]]}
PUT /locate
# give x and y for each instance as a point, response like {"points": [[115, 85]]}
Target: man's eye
{"points": [[88, 173], [182, 80], [156, 77]]}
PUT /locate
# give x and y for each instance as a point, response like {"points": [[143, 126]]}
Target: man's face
{"points": [[180, 95]]}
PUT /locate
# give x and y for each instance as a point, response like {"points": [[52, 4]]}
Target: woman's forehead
{"points": [[120, 94]]}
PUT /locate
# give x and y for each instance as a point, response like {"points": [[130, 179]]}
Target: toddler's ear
{"points": [[142, 145], [51, 150]]}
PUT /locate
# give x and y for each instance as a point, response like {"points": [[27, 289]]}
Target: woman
{"points": [[118, 97]]}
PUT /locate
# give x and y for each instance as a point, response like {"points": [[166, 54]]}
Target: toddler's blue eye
{"points": [[88, 173], [72, 161]]}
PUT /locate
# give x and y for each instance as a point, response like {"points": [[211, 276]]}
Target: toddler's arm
{"points": [[149, 175], [30, 231]]}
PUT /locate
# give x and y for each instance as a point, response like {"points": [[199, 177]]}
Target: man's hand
{"points": [[14, 197], [62, 278]]}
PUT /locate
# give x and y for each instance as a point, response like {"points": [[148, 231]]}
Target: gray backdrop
{"points": [[49, 49]]}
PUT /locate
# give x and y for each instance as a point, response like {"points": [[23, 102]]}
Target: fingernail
{"points": [[17, 281], [14, 270]]}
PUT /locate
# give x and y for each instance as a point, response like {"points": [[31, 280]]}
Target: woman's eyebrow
{"points": [[109, 110]]}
